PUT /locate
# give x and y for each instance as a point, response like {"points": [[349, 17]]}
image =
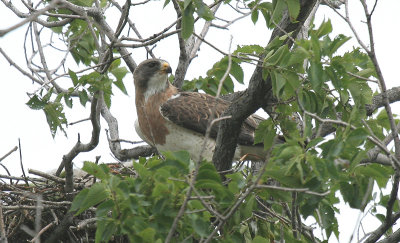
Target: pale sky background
{"points": [[40, 151]]}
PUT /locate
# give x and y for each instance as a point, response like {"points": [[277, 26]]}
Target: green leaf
{"points": [[103, 3], [315, 73], [36, 103], [280, 175], [250, 204], [105, 230], [324, 29], [249, 49], [68, 100], [55, 116], [119, 74], [200, 226], [314, 142], [104, 208], [259, 239], [337, 43], [237, 72], [316, 47], [265, 133], [278, 55], [166, 3], [361, 92], [95, 195], [147, 235], [254, 16], [187, 22], [99, 171], [207, 171], [279, 8], [357, 137], [186, 3], [79, 200], [278, 82], [381, 174], [73, 76], [209, 184], [141, 170], [203, 10], [294, 8], [83, 97], [298, 56]]}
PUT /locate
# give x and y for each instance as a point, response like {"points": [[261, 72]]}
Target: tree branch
{"points": [[79, 147], [258, 94]]}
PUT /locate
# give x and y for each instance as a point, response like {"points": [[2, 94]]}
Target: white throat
{"points": [[156, 84]]}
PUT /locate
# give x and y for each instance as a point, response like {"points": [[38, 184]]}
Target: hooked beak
{"points": [[166, 68]]}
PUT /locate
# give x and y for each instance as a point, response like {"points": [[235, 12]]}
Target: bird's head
{"points": [[151, 76]]}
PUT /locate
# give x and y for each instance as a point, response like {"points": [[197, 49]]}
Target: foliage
{"points": [[313, 79], [143, 207]]}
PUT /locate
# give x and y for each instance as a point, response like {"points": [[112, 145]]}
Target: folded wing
{"points": [[193, 110]]}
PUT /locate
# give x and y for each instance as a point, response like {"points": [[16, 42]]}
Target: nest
{"points": [[37, 208]]}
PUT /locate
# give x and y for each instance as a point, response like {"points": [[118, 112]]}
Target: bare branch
{"points": [[79, 147], [288, 189], [390, 218], [9, 152], [47, 176], [32, 17], [2, 228]]}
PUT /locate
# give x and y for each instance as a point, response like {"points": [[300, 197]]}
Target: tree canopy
{"points": [[332, 107]]}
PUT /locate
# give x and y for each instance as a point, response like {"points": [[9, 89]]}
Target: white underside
{"points": [[180, 138], [155, 86]]}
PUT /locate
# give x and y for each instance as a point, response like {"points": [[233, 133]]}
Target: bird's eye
{"points": [[152, 64]]}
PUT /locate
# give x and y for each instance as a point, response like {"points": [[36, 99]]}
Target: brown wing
{"points": [[192, 111]]}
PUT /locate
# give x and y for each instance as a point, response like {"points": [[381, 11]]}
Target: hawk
{"points": [[172, 120]]}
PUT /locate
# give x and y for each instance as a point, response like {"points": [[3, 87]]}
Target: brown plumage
{"points": [[192, 111], [172, 120]]}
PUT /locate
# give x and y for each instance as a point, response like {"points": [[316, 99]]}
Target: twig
{"points": [[85, 222], [37, 237], [32, 17], [203, 33], [288, 189], [381, 80], [2, 228], [205, 204], [79, 121], [394, 160], [22, 178], [8, 153], [390, 218], [126, 141], [242, 197], [79, 147], [38, 217], [20, 160], [47, 176]]}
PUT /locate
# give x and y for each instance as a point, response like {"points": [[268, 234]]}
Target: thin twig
{"points": [[8, 153], [32, 17], [21, 164], [47, 176], [288, 189], [37, 237], [2, 228]]}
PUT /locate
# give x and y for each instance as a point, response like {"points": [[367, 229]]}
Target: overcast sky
{"points": [[40, 151]]}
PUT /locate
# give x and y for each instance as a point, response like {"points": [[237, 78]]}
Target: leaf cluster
{"points": [[143, 207]]}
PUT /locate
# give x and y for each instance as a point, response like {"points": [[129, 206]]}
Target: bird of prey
{"points": [[172, 121]]}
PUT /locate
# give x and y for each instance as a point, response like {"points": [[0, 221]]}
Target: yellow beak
{"points": [[166, 68]]}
